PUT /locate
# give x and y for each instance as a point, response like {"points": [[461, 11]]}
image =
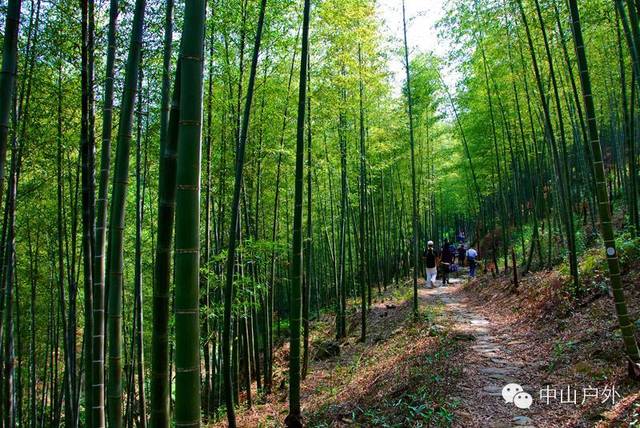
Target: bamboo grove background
{"points": [[164, 166]]}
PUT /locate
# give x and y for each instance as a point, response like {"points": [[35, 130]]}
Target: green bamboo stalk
{"points": [[160, 412], [568, 194], [87, 147], [341, 325], [9, 368], [549, 131], [294, 418], [187, 223], [362, 263], [624, 320], [274, 231], [8, 78], [100, 233], [209, 337], [137, 340], [116, 220], [234, 225], [631, 36], [414, 206], [308, 248]]}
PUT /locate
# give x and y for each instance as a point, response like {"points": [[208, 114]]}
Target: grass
{"points": [[419, 399], [402, 381]]}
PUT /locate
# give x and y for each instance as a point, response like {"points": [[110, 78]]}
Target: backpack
{"points": [[431, 259]]}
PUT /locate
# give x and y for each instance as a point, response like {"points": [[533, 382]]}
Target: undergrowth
{"points": [[415, 389]]}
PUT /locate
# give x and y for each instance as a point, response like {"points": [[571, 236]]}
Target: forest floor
{"points": [[449, 367]]}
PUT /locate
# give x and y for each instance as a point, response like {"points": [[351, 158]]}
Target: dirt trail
{"points": [[490, 363], [457, 358]]}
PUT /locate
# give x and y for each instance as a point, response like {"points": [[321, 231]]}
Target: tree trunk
{"points": [[8, 78], [624, 320], [414, 206], [100, 233], [294, 418], [87, 147], [160, 375], [234, 225], [187, 221], [116, 221]]}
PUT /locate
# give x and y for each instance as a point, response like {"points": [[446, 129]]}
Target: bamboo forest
{"points": [[319, 213]]}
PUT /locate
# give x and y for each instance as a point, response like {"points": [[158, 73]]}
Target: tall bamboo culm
{"points": [[100, 232], [160, 411], [414, 203], [626, 324], [234, 225], [294, 419], [8, 78], [116, 220], [187, 240]]}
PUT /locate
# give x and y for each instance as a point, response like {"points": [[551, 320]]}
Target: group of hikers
{"points": [[443, 262]]}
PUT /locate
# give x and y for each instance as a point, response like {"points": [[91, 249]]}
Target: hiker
{"points": [[447, 257], [430, 262], [472, 255], [462, 252]]}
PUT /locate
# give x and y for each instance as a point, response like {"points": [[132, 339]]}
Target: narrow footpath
{"points": [[451, 366], [491, 363]]}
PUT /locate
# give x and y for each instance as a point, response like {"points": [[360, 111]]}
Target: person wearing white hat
{"points": [[431, 263]]}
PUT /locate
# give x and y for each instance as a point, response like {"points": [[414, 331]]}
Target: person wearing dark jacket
{"points": [[431, 262], [462, 252], [448, 255]]}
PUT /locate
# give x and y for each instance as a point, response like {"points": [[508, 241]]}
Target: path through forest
{"points": [[448, 368], [490, 362]]}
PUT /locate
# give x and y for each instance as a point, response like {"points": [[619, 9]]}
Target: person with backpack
{"points": [[431, 263], [462, 252], [472, 255], [448, 254]]}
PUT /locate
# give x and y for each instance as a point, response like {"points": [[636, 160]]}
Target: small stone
{"points": [[484, 338], [493, 390], [503, 362], [522, 420], [496, 370], [463, 337], [485, 348], [502, 378]]}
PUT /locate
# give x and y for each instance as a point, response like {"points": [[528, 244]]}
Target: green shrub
{"points": [[593, 261], [628, 250]]}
